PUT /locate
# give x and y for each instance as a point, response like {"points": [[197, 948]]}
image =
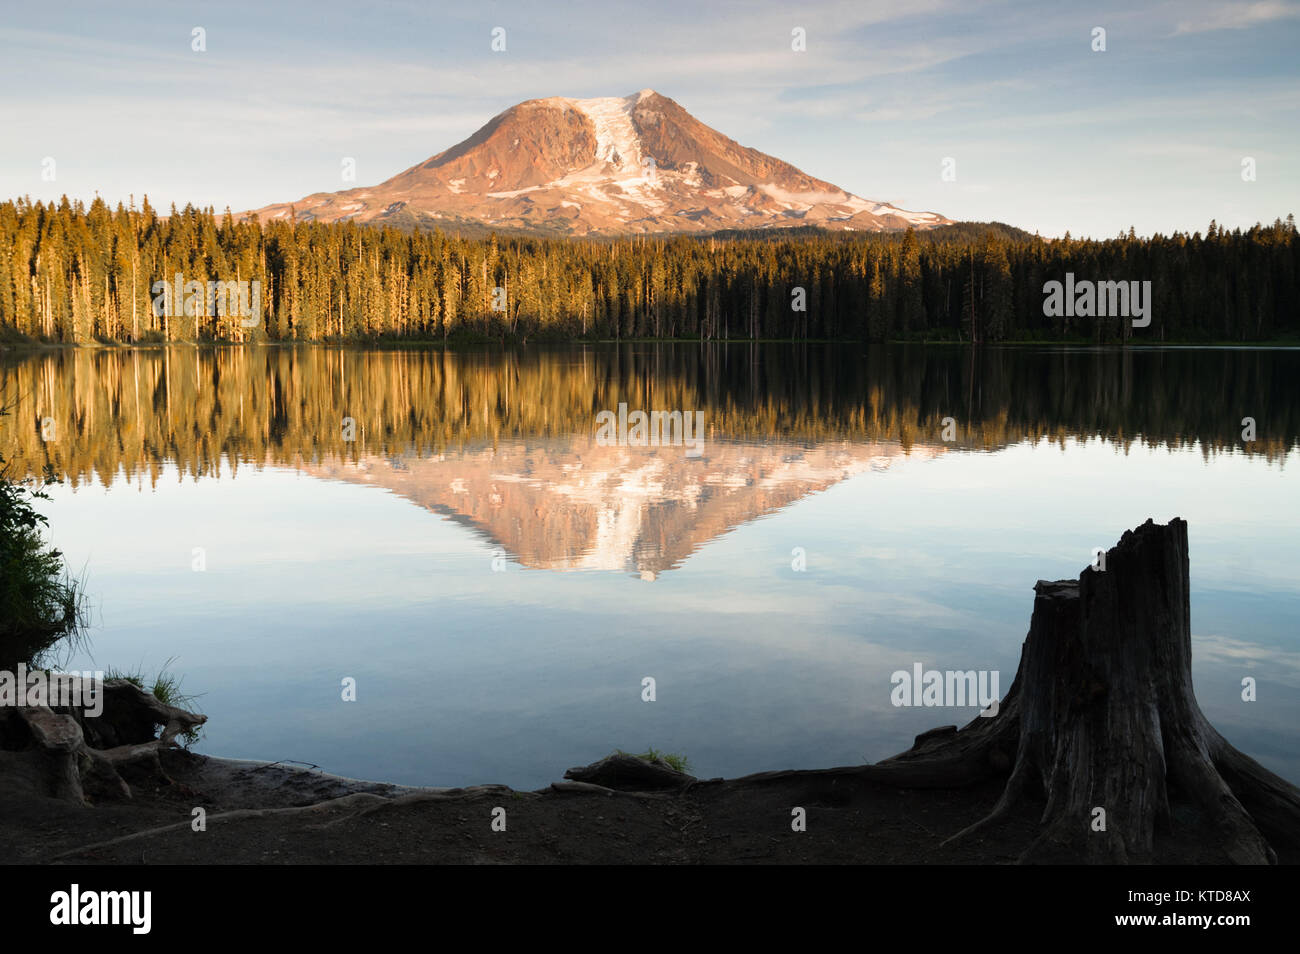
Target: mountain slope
{"points": [[636, 163]]}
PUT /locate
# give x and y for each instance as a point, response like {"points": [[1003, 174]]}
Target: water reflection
{"points": [[571, 504], [328, 557], [504, 441], [134, 409]]}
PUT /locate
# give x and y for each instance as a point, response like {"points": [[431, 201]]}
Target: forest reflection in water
{"points": [[915, 548]]}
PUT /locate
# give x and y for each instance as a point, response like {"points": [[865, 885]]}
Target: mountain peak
{"points": [[636, 163]]}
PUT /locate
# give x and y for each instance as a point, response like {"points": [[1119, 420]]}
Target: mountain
{"points": [[636, 163]]}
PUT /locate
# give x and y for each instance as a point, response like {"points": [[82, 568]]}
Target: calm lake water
{"points": [[499, 582]]}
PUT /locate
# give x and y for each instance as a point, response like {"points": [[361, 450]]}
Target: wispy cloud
{"points": [[1280, 666], [1237, 16]]}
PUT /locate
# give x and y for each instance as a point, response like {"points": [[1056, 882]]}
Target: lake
{"points": [[453, 531]]}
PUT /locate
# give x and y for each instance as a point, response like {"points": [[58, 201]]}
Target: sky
{"points": [[1043, 131]]}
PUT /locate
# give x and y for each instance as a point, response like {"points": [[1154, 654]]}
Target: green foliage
{"points": [[40, 604], [75, 274]]}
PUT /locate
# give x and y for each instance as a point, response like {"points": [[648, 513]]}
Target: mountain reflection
{"points": [[504, 441], [570, 504]]}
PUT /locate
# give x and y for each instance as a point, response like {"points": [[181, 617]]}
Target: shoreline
{"points": [[276, 812]]}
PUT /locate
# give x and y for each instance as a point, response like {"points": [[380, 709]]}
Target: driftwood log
{"points": [[66, 754], [1101, 714], [623, 772]]}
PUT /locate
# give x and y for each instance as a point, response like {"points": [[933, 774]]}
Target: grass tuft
{"points": [[166, 688], [678, 763]]}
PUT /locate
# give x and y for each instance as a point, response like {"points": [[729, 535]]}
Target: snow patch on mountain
{"points": [[918, 218], [808, 199], [616, 140]]}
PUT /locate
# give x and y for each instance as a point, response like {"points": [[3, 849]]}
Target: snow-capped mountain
{"points": [[636, 163]]}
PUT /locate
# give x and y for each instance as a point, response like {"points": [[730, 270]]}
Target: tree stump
{"points": [[1102, 715], [67, 754]]}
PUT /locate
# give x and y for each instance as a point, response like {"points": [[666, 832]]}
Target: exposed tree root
{"points": [[358, 802], [68, 754]]}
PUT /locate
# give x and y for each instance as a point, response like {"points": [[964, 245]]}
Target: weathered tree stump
{"points": [[66, 754], [1101, 714]]}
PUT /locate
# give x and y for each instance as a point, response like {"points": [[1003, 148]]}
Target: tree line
{"points": [[76, 273]]}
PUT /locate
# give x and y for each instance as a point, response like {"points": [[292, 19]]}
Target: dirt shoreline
{"points": [[279, 813]]}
